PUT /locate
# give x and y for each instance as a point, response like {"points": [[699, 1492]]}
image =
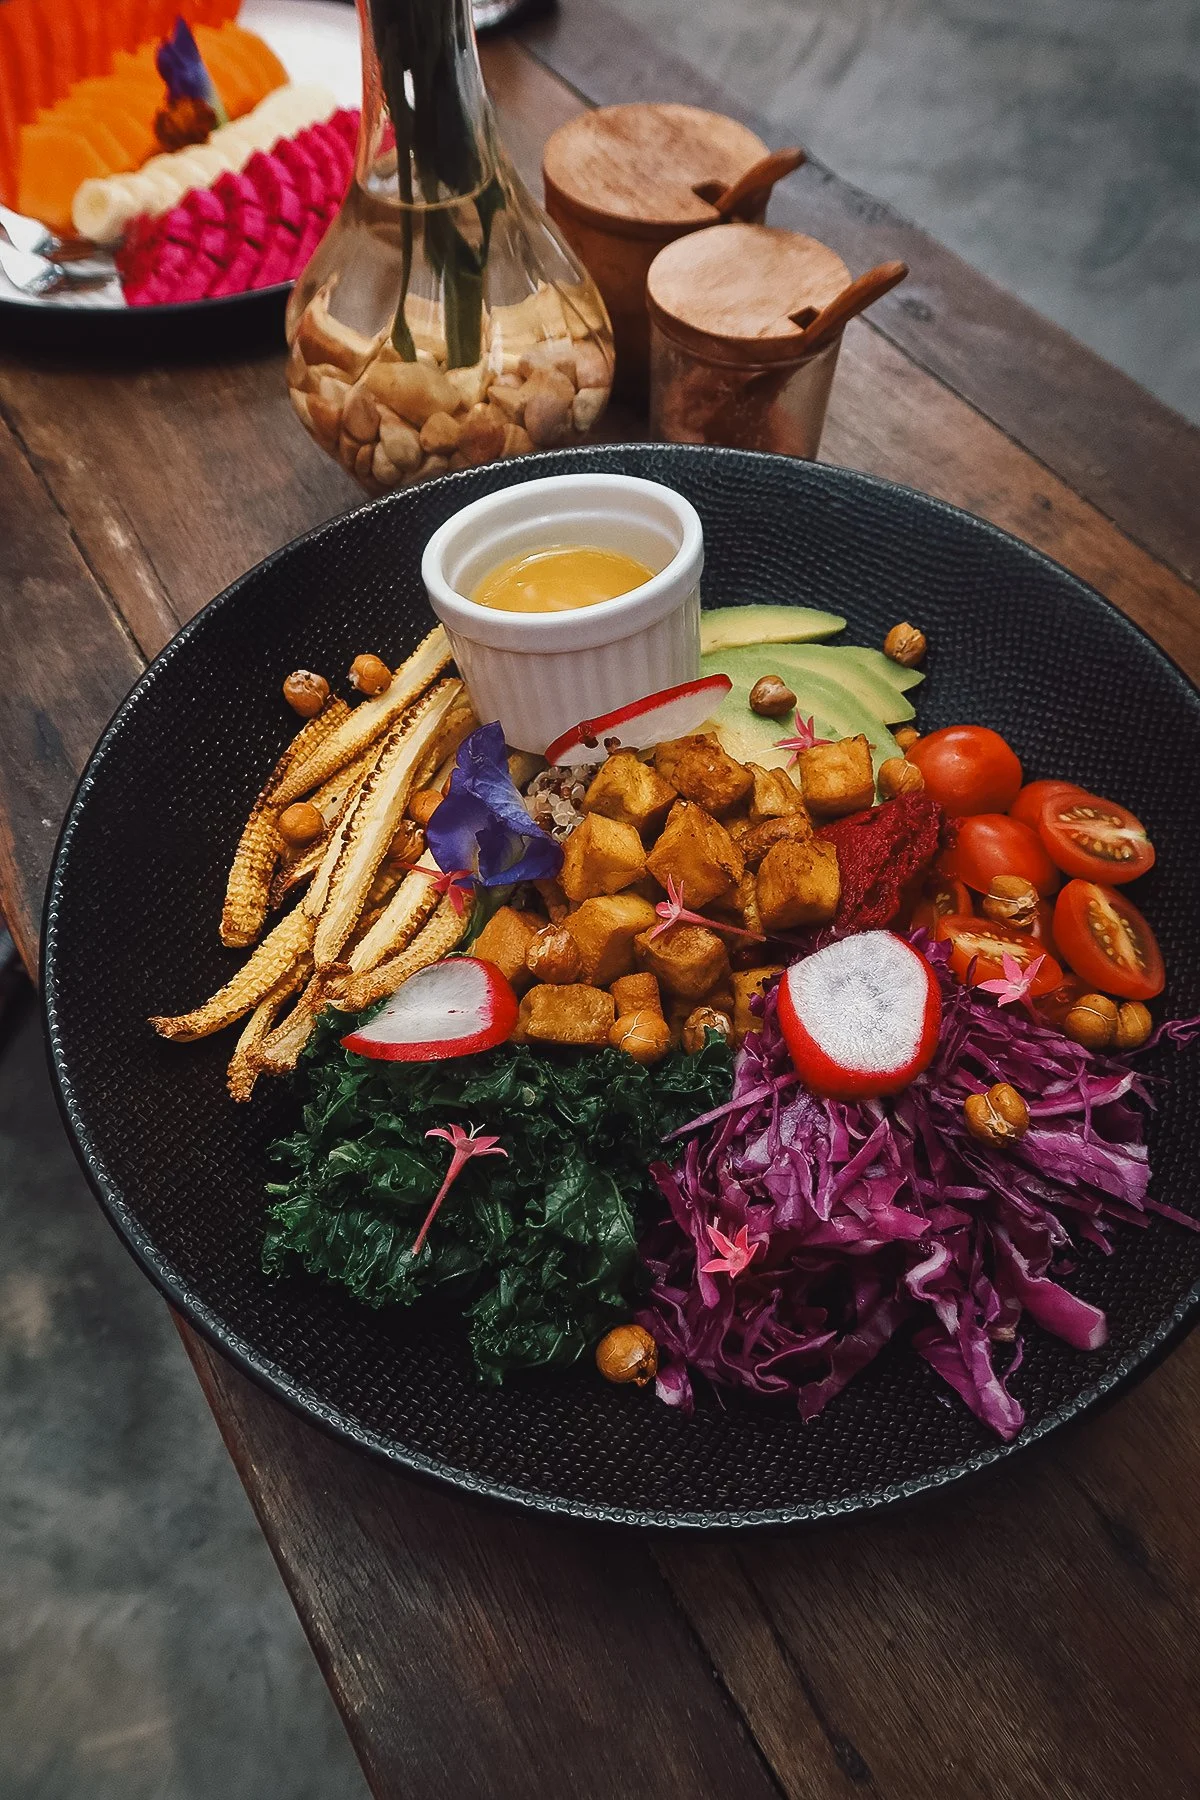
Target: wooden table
{"points": [[1035, 1634]]}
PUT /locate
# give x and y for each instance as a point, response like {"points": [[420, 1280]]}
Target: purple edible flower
{"points": [[179, 62], [483, 825]]}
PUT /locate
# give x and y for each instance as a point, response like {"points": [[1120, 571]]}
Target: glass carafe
{"points": [[442, 322]]}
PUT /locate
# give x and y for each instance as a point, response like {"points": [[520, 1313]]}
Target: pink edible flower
{"points": [[458, 883], [736, 1253], [672, 911], [1014, 987], [465, 1145], [804, 738]]}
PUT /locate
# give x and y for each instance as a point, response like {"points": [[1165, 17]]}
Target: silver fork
{"points": [[31, 235], [37, 276]]}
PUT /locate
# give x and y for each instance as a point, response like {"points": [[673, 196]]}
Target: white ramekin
{"points": [[541, 673]]}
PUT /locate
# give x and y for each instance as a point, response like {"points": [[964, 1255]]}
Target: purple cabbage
{"points": [[883, 1214]]}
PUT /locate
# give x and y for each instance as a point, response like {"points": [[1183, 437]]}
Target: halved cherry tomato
{"points": [[985, 944], [1095, 839], [1029, 802], [992, 843], [967, 769], [1055, 1007], [1107, 941], [941, 894]]}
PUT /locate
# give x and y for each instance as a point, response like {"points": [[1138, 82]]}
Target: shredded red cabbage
{"points": [[880, 1214]]}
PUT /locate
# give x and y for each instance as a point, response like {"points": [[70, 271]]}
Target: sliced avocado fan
{"points": [[731, 627]]}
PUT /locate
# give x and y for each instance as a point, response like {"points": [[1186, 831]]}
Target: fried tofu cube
{"points": [[504, 941], [697, 853], [628, 790], [604, 930], [687, 960], [567, 1015], [700, 770], [757, 839], [798, 884], [636, 993], [837, 778], [739, 905], [747, 983], [775, 794], [601, 856], [550, 893]]}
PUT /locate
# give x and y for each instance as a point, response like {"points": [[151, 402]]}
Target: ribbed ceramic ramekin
{"points": [[541, 673]]}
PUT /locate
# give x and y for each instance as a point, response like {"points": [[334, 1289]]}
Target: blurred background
{"points": [[147, 1648]]}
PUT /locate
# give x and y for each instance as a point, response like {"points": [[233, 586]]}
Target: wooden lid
{"points": [[727, 292], [634, 168]]}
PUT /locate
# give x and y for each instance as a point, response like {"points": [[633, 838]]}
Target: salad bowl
{"points": [[1016, 643]]}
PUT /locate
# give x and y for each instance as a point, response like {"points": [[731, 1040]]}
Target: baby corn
{"points": [[279, 951], [444, 931], [245, 1065], [247, 891], [408, 909], [370, 720]]}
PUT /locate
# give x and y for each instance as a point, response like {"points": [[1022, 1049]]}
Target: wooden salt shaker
{"points": [[727, 362], [621, 182]]}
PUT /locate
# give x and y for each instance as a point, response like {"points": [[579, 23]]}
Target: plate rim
{"points": [[1138, 1362]]}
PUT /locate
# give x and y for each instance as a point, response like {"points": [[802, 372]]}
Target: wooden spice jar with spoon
{"points": [[746, 323], [623, 181]]}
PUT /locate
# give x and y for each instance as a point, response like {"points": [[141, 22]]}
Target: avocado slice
{"points": [[844, 692], [729, 627]]}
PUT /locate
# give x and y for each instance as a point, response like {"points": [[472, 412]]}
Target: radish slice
{"points": [[655, 720], [453, 1008], [861, 1017]]}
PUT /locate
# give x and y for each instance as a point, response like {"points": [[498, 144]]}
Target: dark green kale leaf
{"points": [[540, 1247]]}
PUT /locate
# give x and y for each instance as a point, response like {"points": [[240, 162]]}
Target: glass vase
{"points": [[442, 322]]}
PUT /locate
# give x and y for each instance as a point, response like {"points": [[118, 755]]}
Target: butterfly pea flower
{"points": [[193, 107], [483, 827]]}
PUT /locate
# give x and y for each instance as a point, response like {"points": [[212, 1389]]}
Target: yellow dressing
{"points": [[559, 580]]}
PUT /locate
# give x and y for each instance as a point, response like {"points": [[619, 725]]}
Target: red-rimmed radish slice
{"points": [[861, 1017], [655, 720], [453, 1008]]}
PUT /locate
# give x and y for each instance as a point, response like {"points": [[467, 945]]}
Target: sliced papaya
{"points": [[54, 159], [259, 56], [68, 45], [25, 77], [234, 80], [115, 133]]}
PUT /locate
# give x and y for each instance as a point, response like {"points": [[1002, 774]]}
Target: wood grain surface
{"points": [[1029, 1637]]}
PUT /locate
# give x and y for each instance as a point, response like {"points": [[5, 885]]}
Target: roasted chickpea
{"points": [[906, 736], [998, 1117], [1134, 1026], [644, 1035], [554, 956], [1011, 900], [699, 1023], [300, 825], [423, 804], [306, 693], [369, 675], [905, 645], [1092, 1021], [627, 1353], [771, 697], [898, 776]]}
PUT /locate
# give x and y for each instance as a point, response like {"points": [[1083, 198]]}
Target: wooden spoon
{"points": [[762, 174], [819, 325]]}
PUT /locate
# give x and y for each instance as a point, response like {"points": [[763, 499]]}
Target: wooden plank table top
{"points": [[1035, 1634]]}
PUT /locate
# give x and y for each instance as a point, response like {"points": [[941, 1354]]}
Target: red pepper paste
{"points": [[881, 853]]}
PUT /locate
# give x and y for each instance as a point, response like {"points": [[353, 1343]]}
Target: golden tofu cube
{"points": [[837, 778], [739, 905], [630, 791], [701, 771], [550, 894], [504, 940], [687, 960], [604, 930], [747, 983], [798, 884], [601, 856], [567, 1015], [756, 840], [775, 794], [697, 853], [636, 993]]}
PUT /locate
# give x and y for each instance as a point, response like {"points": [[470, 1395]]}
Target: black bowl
{"points": [[130, 929]]}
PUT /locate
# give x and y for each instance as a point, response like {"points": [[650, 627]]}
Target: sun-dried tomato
{"points": [[880, 853]]}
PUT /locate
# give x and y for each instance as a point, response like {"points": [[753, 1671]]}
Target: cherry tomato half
{"points": [[1027, 807], [1107, 941], [990, 844], [1055, 1006], [967, 769], [940, 895], [1095, 839], [987, 945]]}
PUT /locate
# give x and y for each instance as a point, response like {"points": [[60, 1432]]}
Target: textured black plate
{"points": [[232, 322], [131, 929]]}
